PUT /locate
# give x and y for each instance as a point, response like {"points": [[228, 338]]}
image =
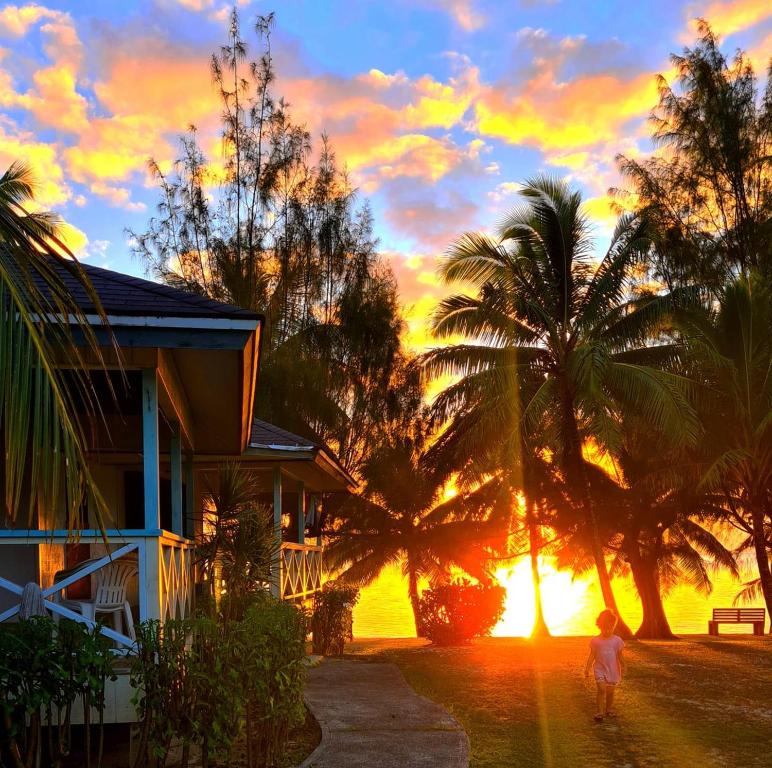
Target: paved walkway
{"points": [[371, 718]]}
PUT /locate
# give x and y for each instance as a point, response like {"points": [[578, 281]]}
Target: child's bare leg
{"points": [[600, 699], [610, 691]]}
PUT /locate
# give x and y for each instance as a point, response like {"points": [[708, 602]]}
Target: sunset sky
{"points": [[438, 107]]}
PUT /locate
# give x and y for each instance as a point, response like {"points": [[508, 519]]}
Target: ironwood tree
{"points": [[274, 225]]}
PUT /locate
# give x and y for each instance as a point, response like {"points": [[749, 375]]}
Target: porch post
{"points": [[190, 497], [301, 513], [150, 448], [150, 554], [276, 586], [175, 461]]}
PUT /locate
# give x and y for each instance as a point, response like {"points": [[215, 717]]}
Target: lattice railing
{"points": [[301, 570], [175, 575], [164, 573]]}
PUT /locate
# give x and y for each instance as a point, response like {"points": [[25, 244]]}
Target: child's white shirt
{"points": [[607, 667]]}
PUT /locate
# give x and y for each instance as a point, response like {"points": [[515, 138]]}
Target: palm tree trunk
{"points": [[412, 589], [762, 557], [575, 469], [654, 624], [540, 628]]}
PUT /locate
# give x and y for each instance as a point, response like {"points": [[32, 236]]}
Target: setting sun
{"points": [[564, 597]]}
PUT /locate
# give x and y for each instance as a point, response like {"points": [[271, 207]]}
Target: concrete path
{"points": [[371, 718]]}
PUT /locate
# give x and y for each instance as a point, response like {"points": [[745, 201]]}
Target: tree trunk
{"points": [[762, 558], [540, 628], [412, 588], [654, 624], [576, 473]]}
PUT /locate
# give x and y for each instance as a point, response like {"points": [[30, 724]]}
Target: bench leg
{"points": [[758, 628], [712, 628]]}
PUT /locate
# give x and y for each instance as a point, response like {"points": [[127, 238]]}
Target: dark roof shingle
{"points": [[132, 296], [269, 435]]}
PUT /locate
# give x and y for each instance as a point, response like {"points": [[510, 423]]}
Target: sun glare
{"points": [[563, 598]]}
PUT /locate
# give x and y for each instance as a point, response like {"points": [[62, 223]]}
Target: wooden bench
{"points": [[755, 616]]}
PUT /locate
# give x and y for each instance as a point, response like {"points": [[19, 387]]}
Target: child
{"points": [[606, 660]]}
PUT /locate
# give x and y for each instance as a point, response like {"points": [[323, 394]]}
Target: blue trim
{"points": [[276, 584], [301, 512], [190, 495], [150, 452], [175, 471], [169, 338], [88, 533]]}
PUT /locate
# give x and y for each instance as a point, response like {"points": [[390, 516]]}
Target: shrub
{"points": [[199, 681], [44, 669], [453, 614], [187, 679], [160, 675], [332, 620], [272, 654]]}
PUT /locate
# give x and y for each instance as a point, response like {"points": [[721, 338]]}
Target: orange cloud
{"points": [[726, 18], [379, 122], [149, 78], [52, 188], [113, 148], [54, 101], [760, 55], [565, 116], [16, 20], [53, 98]]}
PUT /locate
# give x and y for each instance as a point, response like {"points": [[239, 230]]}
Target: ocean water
{"points": [[570, 604]]}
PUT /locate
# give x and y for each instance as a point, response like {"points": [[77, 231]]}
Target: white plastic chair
{"points": [[110, 597]]}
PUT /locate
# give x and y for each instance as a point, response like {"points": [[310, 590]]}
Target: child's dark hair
{"points": [[607, 619]]}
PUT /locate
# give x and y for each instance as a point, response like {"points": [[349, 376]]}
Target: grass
{"points": [[696, 702]]}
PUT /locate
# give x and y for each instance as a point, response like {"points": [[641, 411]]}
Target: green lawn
{"points": [[696, 702]]}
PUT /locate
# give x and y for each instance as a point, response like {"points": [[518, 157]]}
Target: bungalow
{"points": [[177, 399]]}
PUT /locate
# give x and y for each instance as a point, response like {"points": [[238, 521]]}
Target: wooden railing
{"points": [[175, 576], [300, 570], [164, 573]]}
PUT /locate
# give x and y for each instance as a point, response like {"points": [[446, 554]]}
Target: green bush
{"points": [[332, 620], [44, 669], [454, 614], [200, 682], [188, 689], [273, 635], [165, 689]]}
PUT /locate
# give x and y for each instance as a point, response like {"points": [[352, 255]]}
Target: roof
{"points": [[265, 435], [269, 437], [132, 296]]}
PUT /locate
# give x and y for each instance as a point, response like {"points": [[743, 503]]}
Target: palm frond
{"points": [[44, 443]]}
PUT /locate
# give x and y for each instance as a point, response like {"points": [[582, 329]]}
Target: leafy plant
{"points": [[164, 697], [332, 619], [238, 546], [202, 682], [454, 614], [271, 662], [44, 669]]}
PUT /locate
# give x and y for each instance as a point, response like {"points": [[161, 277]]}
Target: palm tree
{"points": [[400, 517], [237, 547], [550, 323], [732, 345], [663, 537], [42, 440]]}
